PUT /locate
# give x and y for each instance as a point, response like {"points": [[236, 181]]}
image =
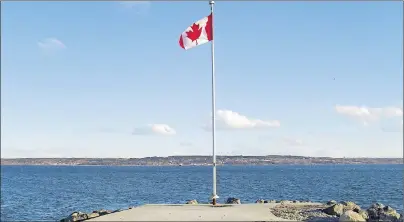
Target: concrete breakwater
{"points": [[234, 210]]}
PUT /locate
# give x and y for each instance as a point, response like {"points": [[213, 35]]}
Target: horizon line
{"points": [[277, 155]]}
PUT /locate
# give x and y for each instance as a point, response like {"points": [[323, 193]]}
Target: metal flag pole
{"points": [[214, 195]]}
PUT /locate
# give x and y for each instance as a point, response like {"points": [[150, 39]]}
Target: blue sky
{"points": [[108, 79]]}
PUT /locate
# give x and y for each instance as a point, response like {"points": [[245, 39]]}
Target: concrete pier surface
{"points": [[197, 212]]}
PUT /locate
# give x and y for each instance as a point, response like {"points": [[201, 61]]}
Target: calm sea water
{"points": [[53, 192]]}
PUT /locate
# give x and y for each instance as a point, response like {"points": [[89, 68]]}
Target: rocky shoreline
{"points": [[295, 210], [333, 211]]}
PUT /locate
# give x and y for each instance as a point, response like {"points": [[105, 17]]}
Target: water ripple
{"points": [[52, 192]]}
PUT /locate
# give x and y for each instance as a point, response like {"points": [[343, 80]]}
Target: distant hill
{"points": [[199, 161]]}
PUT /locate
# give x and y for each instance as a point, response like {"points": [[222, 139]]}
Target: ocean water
{"points": [[53, 192]]}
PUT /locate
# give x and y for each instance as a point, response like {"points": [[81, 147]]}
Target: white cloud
{"points": [[368, 114], [158, 129], [51, 44], [227, 119]]}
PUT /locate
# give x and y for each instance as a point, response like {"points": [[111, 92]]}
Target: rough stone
{"points": [[379, 212], [350, 215], [102, 212], [389, 214], [331, 202], [232, 200], [260, 201], [192, 202], [364, 214], [377, 206], [75, 216], [284, 202], [303, 212], [93, 215], [336, 209], [349, 205]]}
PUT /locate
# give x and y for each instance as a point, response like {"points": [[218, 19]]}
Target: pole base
{"points": [[213, 198], [214, 202]]}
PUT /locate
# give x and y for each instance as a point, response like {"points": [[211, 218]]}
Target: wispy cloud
{"points": [[227, 119], [51, 44], [367, 115], [154, 129], [139, 7]]}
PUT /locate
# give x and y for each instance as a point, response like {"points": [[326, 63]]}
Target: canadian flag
{"points": [[198, 33]]}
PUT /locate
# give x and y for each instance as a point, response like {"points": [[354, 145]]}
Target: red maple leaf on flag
{"points": [[194, 33]]}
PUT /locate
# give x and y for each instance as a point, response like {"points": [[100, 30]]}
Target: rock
{"points": [[102, 212], [271, 201], [379, 212], [265, 201], [232, 200], [79, 216], [364, 214], [349, 205], [308, 213], [377, 205], [75, 216], [323, 219], [350, 215], [373, 210], [284, 202], [260, 201], [93, 215], [336, 209], [373, 213], [296, 201], [191, 202], [331, 202], [389, 214]]}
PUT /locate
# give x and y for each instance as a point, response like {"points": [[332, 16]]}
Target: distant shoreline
{"points": [[350, 164], [198, 161]]}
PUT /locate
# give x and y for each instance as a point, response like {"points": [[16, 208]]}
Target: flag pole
{"points": [[214, 195]]}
